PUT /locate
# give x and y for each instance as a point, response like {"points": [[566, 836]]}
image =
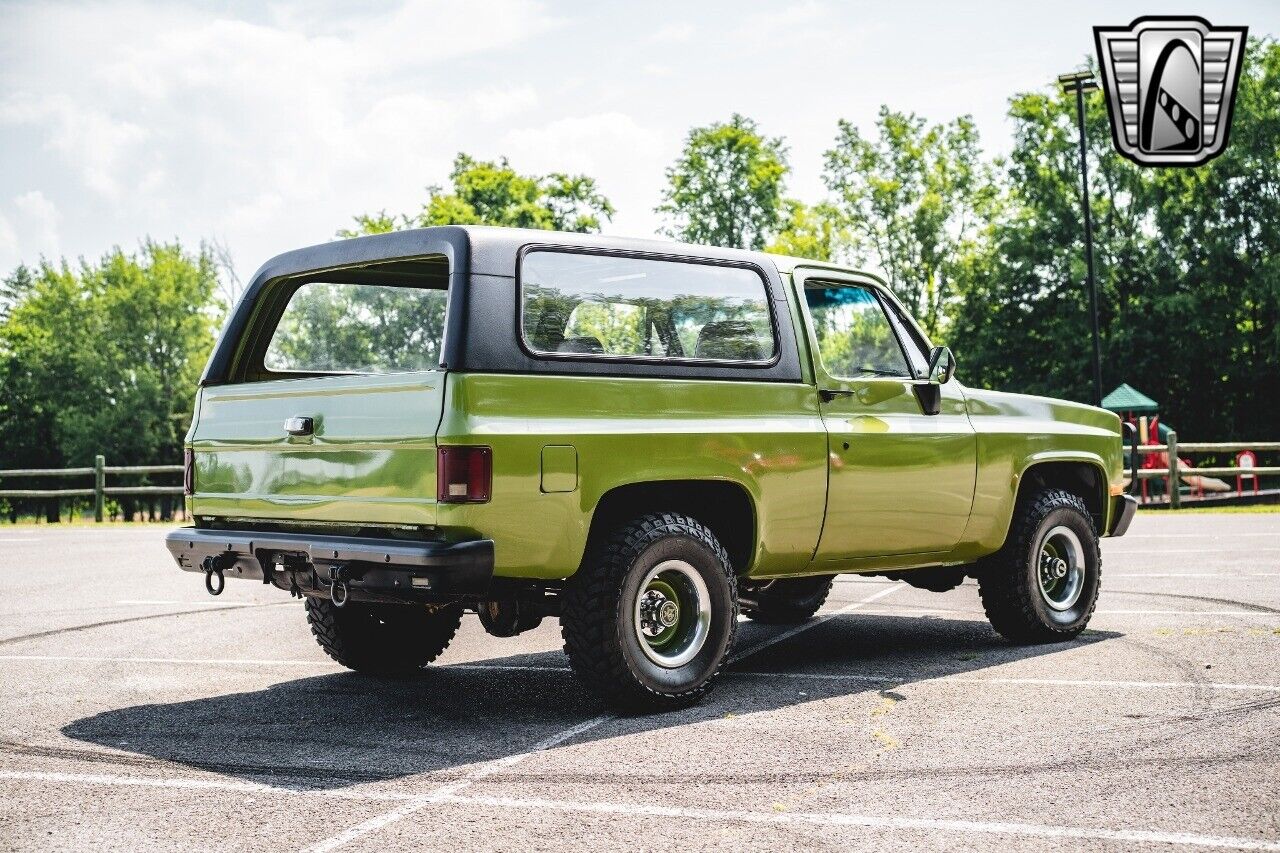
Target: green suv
{"points": [[642, 439]]}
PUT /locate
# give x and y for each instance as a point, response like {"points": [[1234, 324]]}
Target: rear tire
{"points": [[1042, 586], [789, 600], [648, 619], [382, 639]]}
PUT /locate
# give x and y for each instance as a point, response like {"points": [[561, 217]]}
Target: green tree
{"points": [[1188, 267], [912, 201], [492, 193], [105, 358], [725, 189], [814, 232]]}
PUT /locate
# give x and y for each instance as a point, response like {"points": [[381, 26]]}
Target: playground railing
{"points": [[100, 490], [1175, 470]]}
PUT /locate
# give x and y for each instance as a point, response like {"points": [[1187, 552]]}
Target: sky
{"points": [[267, 126]]}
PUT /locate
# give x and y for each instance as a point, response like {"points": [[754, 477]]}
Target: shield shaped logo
{"points": [[1170, 85]]}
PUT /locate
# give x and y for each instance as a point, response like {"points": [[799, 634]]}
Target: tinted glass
{"points": [[611, 306], [854, 335], [358, 328]]}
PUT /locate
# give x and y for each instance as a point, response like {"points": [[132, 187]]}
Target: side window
{"points": [[638, 307], [854, 336], [917, 350]]}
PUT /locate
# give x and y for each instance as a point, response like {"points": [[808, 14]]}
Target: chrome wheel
{"points": [[1061, 569], [672, 614]]}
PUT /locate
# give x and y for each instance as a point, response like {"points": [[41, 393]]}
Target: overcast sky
{"points": [[266, 126]]}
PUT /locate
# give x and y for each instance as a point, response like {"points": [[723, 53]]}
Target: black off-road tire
{"points": [[1009, 580], [598, 619], [789, 600], [382, 639]]}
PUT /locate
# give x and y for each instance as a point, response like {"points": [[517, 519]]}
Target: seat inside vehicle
{"points": [[728, 339]]}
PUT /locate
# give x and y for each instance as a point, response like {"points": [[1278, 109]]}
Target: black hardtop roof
{"points": [[490, 250]]}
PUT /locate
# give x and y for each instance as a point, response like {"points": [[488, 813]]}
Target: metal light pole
{"points": [[1080, 83]]}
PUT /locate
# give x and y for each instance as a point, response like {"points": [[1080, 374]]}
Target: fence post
{"points": [[1175, 495], [99, 486]]}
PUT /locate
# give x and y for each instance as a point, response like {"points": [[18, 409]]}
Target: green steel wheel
{"points": [[649, 617]]}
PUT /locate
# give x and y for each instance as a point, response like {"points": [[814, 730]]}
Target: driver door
{"points": [[900, 481]]}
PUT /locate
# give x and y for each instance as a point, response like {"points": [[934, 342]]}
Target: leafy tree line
{"points": [[103, 356]]}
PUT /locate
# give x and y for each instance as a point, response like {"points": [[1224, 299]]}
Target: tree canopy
{"points": [[104, 357], [725, 189], [492, 193]]}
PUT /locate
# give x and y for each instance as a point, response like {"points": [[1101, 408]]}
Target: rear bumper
{"points": [[373, 569], [1122, 514]]}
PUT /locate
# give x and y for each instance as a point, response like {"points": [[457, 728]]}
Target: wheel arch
{"points": [[724, 506], [1082, 475]]}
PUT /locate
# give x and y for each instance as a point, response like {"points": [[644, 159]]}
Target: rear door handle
{"points": [[299, 425], [829, 394]]}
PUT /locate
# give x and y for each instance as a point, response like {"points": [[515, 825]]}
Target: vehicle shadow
{"points": [[335, 730]]}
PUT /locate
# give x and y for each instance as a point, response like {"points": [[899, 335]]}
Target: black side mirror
{"points": [[942, 365]]}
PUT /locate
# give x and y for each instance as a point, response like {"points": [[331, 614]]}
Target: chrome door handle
{"points": [[299, 425]]}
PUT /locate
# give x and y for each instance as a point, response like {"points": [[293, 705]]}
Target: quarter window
{"points": [[854, 336], [609, 306]]}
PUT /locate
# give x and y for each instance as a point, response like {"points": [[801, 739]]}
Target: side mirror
{"points": [[942, 365]]}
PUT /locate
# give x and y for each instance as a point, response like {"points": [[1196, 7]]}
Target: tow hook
{"points": [[213, 568], [338, 592]]}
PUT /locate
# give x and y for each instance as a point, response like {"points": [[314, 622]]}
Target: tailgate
{"points": [[371, 457]]}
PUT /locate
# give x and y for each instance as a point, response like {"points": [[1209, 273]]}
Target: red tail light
{"points": [[188, 472], [464, 474]]}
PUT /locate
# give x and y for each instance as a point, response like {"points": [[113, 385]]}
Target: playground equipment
{"points": [[1153, 454], [1247, 461]]}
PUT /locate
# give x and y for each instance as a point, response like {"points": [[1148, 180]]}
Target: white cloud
{"points": [[28, 230], [626, 156], [495, 103], [90, 140], [673, 33]]}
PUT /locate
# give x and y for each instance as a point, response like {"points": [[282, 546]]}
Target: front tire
{"points": [[382, 639], [1042, 586], [648, 619]]}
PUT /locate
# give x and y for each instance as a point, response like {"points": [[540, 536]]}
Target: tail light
{"points": [[464, 474], [188, 472]]}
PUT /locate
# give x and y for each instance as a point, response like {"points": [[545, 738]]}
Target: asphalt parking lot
{"points": [[137, 713]]}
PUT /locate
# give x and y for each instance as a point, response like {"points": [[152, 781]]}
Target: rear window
{"points": [[610, 306], [331, 327]]}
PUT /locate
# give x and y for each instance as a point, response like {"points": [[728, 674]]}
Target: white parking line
{"points": [[914, 681], [1129, 536], [812, 623], [1219, 575], [450, 790], [1266, 614], [181, 661], [876, 821], [414, 803], [1121, 552]]}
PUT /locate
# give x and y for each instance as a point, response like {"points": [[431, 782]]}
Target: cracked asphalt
{"points": [[137, 713]]}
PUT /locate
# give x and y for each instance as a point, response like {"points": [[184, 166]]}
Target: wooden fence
{"points": [[100, 490], [1175, 469]]}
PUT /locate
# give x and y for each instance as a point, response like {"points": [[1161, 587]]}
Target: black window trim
{"points": [[880, 298], [677, 361]]}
